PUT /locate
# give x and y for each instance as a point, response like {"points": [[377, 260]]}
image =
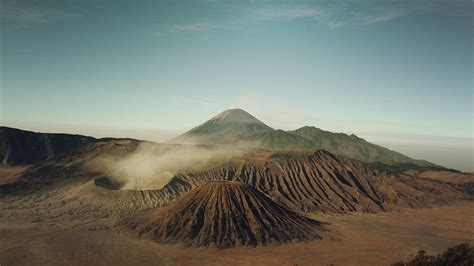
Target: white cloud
{"points": [[335, 14], [206, 26], [199, 26], [197, 101], [33, 15], [288, 13], [352, 15]]}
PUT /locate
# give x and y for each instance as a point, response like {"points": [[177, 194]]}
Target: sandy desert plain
{"points": [[353, 239]]}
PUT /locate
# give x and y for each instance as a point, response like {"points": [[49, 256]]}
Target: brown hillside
{"points": [[224, 214], [306, 181], [322, 181]]}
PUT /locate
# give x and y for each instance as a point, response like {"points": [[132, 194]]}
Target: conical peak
{"points": [[227, 127], [210, 188], [223, 183], [235, 116], [237, 207]]}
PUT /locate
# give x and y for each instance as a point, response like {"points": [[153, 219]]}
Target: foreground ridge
{"points": [[224, 214]]}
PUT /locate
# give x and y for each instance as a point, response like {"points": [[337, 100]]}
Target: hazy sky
{"points": [[398, 73]]}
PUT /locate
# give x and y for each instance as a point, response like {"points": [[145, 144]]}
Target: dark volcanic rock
{"points": [[224, 214], [21, 147], [25, 147]]}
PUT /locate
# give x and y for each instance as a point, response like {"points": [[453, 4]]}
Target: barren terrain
{"points": [[133, 202], [359, 239]]}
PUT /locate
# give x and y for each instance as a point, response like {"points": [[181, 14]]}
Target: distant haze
{"points": [[397, 73], [456, 153]]}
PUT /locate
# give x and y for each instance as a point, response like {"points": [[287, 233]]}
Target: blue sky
{"points": [[398, 73]]}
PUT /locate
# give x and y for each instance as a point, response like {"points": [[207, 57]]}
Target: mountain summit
{"points": [[235, 116], [227, 127], [237, 127]]}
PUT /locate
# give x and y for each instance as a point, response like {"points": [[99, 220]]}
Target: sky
{"points": [[397, 73]]}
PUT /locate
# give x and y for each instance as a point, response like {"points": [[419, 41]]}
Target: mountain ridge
{"points": [[354, 147], [21, 147], [248, 131], [226, 127], [232, 127], [236, 115]]}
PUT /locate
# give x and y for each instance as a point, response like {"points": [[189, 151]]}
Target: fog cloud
{"points": [[151, 165]]}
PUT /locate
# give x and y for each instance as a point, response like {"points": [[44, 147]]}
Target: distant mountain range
{"points": [[233, 127], [295, 174], [21, 147], [26, 147], [237, 127]]}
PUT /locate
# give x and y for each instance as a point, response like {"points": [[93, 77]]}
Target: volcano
{"points": [[224, 214], [227, 127], [236, 127]]}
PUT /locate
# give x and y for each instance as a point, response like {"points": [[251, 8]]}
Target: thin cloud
{"points": [[196, 101], [354, 15], [23, 15], [334, 15], [339, 14], [288, 13], [207, 26], [199, 26]]}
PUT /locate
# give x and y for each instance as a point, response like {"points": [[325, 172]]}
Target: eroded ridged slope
{"points": [[305, 181], [224, 214], [322, 182]]}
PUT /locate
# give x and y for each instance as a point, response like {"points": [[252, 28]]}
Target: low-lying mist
{"points": [[151, 166]]}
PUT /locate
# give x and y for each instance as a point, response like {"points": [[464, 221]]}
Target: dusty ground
{"points": [[9, 174], [359, 239]]}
